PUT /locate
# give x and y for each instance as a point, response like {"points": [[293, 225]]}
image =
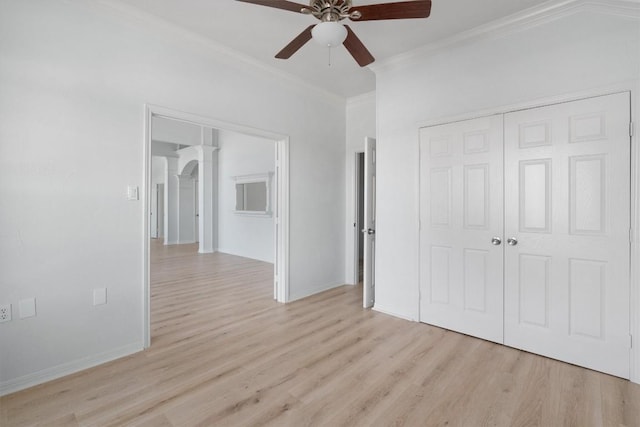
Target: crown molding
{"points": [[173, 33], [526, 19]]}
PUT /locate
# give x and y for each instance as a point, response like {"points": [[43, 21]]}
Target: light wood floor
{"points": [[224, 353]]}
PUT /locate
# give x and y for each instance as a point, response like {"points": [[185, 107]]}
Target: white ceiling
{"points": [[260, 32]]}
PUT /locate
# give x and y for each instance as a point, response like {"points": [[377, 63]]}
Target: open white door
{"points": [[369, 228]]}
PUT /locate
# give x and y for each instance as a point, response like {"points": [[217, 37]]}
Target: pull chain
{"points": [[329, 55]]}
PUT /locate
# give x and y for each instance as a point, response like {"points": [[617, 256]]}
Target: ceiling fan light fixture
{"points": [[329, 34]]}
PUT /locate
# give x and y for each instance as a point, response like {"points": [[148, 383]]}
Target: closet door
{"points": [[461, 227], [567, 187]]}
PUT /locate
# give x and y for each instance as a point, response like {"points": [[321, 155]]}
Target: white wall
{"points": [[171, 202], [75, 77], [582, 53], [158, 165], [361, 123], [247, 236], [175, 131], [187, 162], [187, 157], [186, 209]]}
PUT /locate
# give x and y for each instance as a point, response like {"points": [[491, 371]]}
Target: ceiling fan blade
{"points": [[278, 4], [355, 47], [295, 44], [398, 10]]}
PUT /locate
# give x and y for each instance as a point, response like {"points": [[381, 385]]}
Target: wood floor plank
{"points": [[225, 353]]}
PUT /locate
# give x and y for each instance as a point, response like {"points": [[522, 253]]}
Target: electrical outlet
{"points": [[5, 313]]}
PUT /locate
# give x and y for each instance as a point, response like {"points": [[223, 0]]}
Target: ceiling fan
{"points": [[330, 32]]}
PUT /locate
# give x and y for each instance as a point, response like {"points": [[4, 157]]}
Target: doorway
{"points": [[280, 209], [364, 222]]}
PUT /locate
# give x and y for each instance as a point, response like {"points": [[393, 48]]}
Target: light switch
{"points": [[132, 192], [99, 296], [27, 308]]}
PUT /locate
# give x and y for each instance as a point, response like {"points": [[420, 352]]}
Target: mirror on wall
{"points": [[253, 194]]}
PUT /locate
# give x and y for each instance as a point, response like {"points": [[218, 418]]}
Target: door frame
{"points": [[196, 207], [159, 208], [369, 220], [281, 208], [153, 212], [632, 87]]}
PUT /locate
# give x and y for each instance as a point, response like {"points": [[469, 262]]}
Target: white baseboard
{"points": [[312, 291], [230, 252], [65, 369], [379, 309]]}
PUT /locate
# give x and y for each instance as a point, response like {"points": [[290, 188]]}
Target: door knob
{"points": [[512, 241], [496, 241]]}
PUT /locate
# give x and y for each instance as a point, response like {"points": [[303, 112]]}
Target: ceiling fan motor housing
{"points": [[331, 10]]}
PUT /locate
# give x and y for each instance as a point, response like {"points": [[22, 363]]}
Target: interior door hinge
{"points": [[631, 235], [630, 128], [630, 341]]}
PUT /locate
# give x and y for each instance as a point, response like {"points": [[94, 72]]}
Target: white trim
{"points": [[281, 271], [265, 178], [146, 209], [392, 313], [628, 86], [257, 214], [633, 88], [176, 33], [416, 177], [282, 292], [65, 369], [315, 290], [253, 177], [634, 291], [242, 255], [517, 22], [195, 119]]}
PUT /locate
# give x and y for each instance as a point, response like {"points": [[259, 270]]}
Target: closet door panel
{"points": [[461, 210], [567, 207]]}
